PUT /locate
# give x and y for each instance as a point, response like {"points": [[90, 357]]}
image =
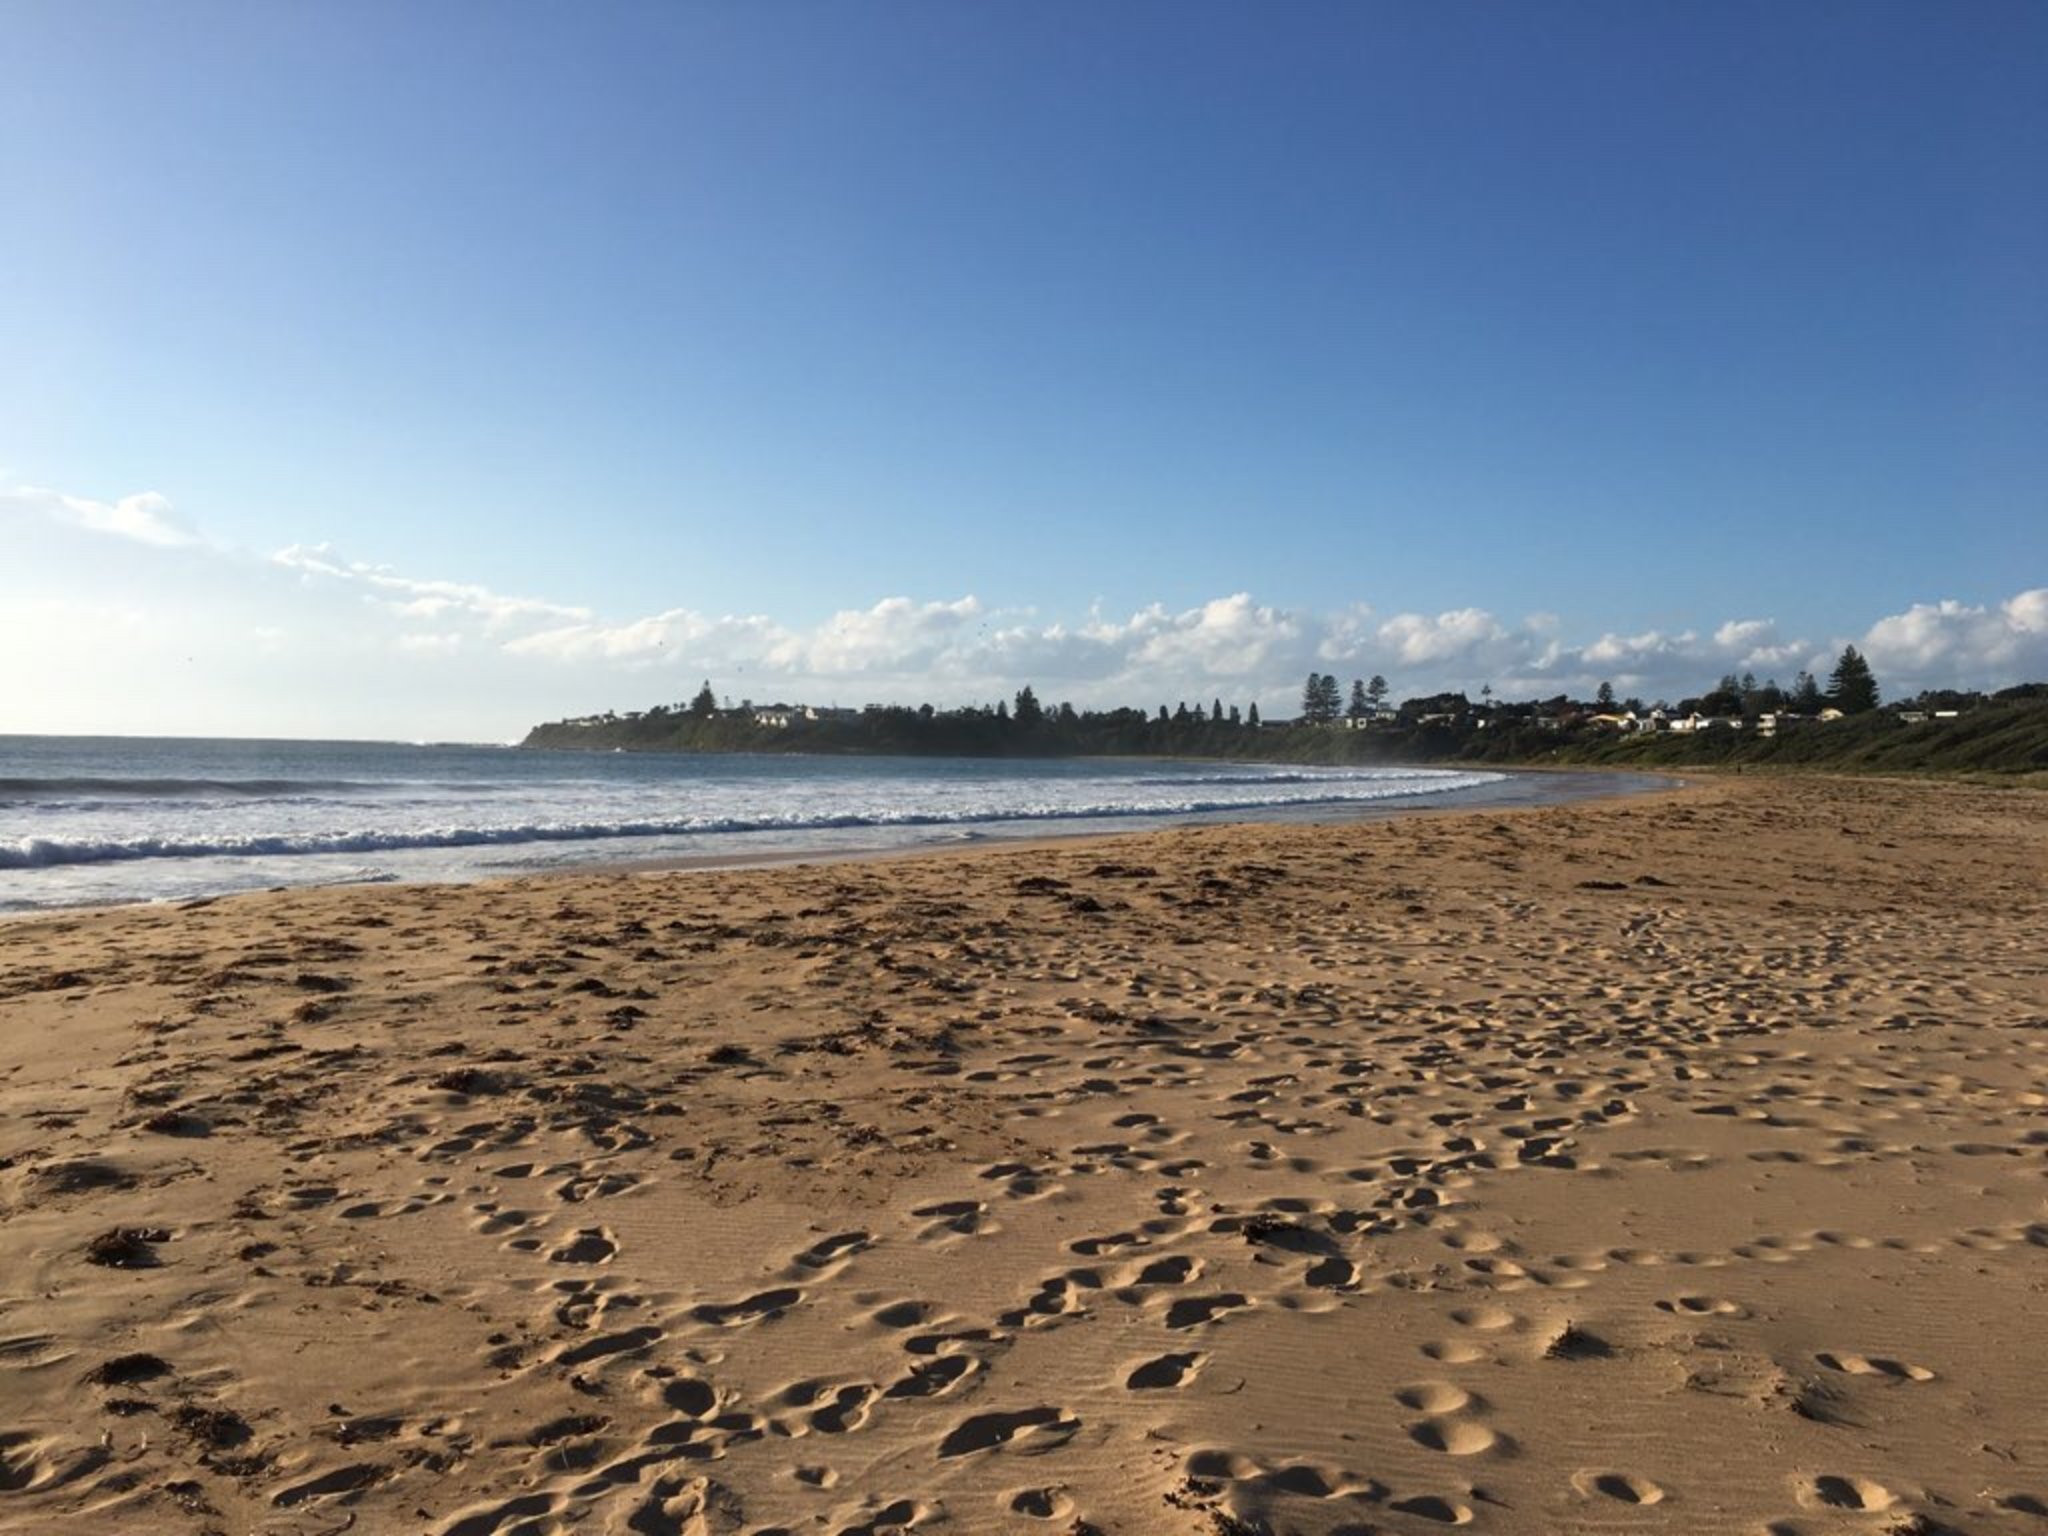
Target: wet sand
{"points": [[1673, 1163]]}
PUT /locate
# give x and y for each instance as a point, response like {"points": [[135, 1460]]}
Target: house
{"points": [[781, 717]]}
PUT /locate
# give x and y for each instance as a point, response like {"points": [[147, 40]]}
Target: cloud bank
{"points": [[434, 656]]}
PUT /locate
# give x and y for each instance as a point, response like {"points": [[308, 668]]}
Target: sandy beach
{"points": [[1674, 1163]]}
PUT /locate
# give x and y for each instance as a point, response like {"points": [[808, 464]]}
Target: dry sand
{"points": [[1675, 1164]]}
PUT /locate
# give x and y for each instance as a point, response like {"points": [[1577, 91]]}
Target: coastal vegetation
{"points": [[1739, 723]]}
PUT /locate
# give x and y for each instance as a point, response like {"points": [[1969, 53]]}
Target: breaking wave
{"points": [[46, 852]]}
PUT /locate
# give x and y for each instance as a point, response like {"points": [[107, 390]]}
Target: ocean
{"points": [[97, 820]]}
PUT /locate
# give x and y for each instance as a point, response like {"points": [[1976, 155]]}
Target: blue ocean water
{"points": [[90, 820]]}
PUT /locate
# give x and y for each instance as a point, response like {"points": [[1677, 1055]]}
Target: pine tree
{"points": [[1321, 702], [705, 704], [1251, 714], [1376, 693], [1605, 698], [1852, 688], [1806, 696], [1359, 708], [1029, 712]]}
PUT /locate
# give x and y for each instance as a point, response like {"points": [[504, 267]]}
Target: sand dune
{"points": [[1673, 1164]]}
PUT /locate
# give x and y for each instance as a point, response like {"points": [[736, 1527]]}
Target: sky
{"points": [[422, 372]]}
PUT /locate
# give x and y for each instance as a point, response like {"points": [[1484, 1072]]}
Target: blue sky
{"points": [[1633, 320]]}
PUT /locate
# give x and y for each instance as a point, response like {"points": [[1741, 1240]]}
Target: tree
{"points": [[1235, 718], [1806, 698], [1852, 688], [1726, 699], [1028, 712], [1251, 715], [705, 704], [1605, 698], [1359, 707], [1376, 693], [1216, 711], [1321, 703]]}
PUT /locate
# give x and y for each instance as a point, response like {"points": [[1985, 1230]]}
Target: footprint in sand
{"points": [[1041, 1503], [1703, 1306], [767, 1304], [832, 1251], [343, 1480], [1454, 1352], [1453, 1437], [1623, 1487], [690, 1396], [1428, 1506], [1864, 1365], [1434, 1397], [1166, 1371], [1192, 1311], [1485, 1319], [1831, 1491], [1030, 1431], [625, 1341], [592, 1245], [953, 1218], [594, 1186], [846, 1411], [1177, 1270], [1021, 1181], [935, 1378], [904, 1314]]}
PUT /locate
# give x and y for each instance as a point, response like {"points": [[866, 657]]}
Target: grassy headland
{"points": [[2001, 737]]}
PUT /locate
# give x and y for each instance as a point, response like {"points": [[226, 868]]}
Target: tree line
{"points": [[1420, 728]]}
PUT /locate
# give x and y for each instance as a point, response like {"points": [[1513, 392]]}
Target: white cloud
{"points": [[1745, 634], [428, 600], [145, 517], [1417, 640], [659, 637], [1952, 642], [894, 635]]}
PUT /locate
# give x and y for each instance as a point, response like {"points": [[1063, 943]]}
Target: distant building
{"points": [[780, 717]]}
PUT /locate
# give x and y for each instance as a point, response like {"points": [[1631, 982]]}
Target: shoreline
{"points": [[1518, 789]]}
